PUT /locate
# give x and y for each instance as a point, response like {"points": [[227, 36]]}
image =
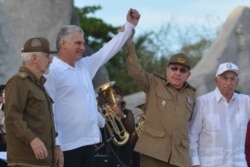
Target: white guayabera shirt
{"points": [[218, 129], [77, 119]]}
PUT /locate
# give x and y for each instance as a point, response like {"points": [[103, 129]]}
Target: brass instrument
{"points": [[114, 125], [2, 124], [140, 118]]}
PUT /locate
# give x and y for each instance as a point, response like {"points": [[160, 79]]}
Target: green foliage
{"points": [[117, 72], [191, 40], [96, 31], [153, 48], [146, 50], [148, 59], [196, 50]]}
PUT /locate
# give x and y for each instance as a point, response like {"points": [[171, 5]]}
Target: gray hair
{"points": [[26, 56], [66, 33]]}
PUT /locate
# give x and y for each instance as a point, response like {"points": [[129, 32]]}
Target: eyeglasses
{"points": [[182, 70], [49, 56]]}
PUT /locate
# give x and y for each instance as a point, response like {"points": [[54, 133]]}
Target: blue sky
{"points": [[155, 13]]}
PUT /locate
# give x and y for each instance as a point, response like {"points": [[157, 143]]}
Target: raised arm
{"points": [[133, 16]]}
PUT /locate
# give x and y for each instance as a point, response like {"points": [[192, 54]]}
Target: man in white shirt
{"points": [[69, 84], [218, 127]]}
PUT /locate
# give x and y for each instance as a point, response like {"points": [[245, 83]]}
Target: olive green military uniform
{"points": [[168, 110], [28, 114]]}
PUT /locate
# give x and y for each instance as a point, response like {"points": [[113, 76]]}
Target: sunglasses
{"points": [[182, 69]]}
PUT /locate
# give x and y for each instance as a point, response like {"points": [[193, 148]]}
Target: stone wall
{"points": [[232, 44], [8, 57], [23, 19]]}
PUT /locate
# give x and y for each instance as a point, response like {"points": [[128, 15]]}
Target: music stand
{"points": [[101, 100], [108, 150]]}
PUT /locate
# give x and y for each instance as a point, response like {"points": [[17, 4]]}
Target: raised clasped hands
{"points": [[133, 16]]}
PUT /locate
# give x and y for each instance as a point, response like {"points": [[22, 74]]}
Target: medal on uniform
{"points": [[189, 100], [163, 103]]}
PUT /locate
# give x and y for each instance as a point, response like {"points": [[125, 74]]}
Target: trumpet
{"points": [[114, 125]]}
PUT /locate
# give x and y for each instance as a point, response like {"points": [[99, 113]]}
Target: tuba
{"points": [[2, 124], [140, 118], [114, 125]]}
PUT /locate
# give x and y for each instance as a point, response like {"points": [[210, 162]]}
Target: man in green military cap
{"points": [[28, 111], [169, 106], [180, 58]]}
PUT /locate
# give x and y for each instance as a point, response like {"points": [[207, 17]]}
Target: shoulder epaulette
{"points": [[191, 87], [22, 75], [159, 76]]}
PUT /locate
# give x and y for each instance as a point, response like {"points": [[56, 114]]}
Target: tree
{"points": [[148, 60], [96, 31], [153, 47]]}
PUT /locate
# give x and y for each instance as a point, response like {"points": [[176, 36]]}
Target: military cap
{"points": [[180, 58], [37, 44]]}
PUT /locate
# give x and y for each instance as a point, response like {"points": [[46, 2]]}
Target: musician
{"points": [[2, 127], [2, 97], [139, 121], [125, 151]]}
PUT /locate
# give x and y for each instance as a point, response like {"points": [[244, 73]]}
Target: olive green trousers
{"points": [[146, 161]]}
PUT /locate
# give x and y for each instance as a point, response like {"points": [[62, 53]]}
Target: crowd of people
{"points": [[50, 115]]}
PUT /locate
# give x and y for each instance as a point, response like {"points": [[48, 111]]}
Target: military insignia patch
{"points": [[189, 100], [181, 60]]}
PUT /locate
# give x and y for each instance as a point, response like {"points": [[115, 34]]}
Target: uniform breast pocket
{"points": [[241, 121], [212, 122], [39, 97], [164, 103], [189, 111], [37, 100]]}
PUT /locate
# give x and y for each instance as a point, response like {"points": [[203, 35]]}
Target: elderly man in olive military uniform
{"points": [[28, 111], [169, 106]]}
